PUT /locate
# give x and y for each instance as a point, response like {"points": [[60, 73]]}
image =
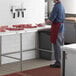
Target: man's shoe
{"points": [[55, 66]]}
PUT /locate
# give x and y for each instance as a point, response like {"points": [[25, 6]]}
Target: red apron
{"points": [[54, 32]]}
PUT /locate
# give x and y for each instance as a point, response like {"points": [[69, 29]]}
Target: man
{"points": [[57, 31]]}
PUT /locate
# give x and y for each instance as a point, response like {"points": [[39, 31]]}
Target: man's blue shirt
{"points": [[58, 15]]}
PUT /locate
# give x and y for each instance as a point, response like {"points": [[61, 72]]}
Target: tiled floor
{"points": [[42, 71], [28, 64]]}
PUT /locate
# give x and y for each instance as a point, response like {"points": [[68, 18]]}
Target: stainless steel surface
{"points": [[21, 51], [63, 63], [20, 33], [10, 53], [18, 51], [46, 50], [12, 57]]}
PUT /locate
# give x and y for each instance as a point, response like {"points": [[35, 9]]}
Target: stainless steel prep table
{"points": [[11, 33], [20, 34]]}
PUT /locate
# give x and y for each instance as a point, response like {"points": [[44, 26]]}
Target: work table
{"points": [[7, 32], [26, 39], [70, 29], [68, 61], [70, 19]]}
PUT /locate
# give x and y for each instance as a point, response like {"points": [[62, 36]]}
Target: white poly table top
{"points": [[69, 48], [25, 30]]}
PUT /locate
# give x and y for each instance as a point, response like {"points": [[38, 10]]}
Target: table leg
{"points": [[21, 51], [37, 45], [63, 63], [0, 48]]}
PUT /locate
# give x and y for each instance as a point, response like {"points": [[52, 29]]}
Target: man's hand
{"points": [[48, 21]]}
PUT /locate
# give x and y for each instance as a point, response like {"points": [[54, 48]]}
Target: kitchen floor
{"points": [[28, 64]]}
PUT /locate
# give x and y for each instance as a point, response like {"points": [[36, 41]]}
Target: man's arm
{"points": [[48, 21], [53, 14]]}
